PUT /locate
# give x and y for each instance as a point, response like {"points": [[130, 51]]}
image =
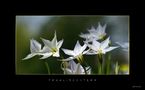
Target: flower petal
{"points": [[123, 45], [47, 43], [96, 44], [91, 52], [103, 28], [126, 44], [68, 59], [34, 46], [79, 69], [67, 71], [85, 36], [99, 28], [68, 52], [92, 47], [109, 49], [84, 52], [83, 48], [82, 35], [45, 49], [59, 44], [54, 40], [105, 43], [72, 65], [29, 56], [92, 30], [77, 48], [46, 55]]}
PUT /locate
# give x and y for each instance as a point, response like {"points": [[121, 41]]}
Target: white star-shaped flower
{"points": [[124, 45], [94, 34], [98, 33], [51, 48], [74, 68], [100, 48], [77, 52], [88, 37], [35, 48]]}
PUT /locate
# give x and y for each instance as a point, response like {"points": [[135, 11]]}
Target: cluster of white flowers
{"points": [[94, 40], [51, 48], [94, 36]]}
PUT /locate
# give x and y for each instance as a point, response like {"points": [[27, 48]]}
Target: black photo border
{"points": [[134, 80]]}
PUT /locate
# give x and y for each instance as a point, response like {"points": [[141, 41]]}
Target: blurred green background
{"points": [[67, 28]]}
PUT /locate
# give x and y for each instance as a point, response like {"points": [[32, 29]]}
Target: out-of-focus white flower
{"points": [[96, 34], [74, 68], [99, 32], [124, 45], [51, 48], [76, 53], [88, 37], [35, 48], [100, 48]]}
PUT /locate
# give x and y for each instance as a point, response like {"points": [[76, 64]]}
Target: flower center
{"points": [[101, 36], [99, 50], [80, 58], [53, 50]]}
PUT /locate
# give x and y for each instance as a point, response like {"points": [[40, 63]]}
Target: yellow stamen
{"points": [[80, 58], [53, 50]]}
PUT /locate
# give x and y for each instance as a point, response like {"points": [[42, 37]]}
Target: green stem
{"points": [[99, 68], [47, 66], [116, 68], [108, 64], [85, 62], [100, 64]]}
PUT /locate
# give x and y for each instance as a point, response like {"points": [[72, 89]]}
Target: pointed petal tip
{"points": [[92, 27], [63, 49], [24, 59], [62, 40], [108, 37], [99, 24], [42, 39], [41, 58], [55, 33], [77, 41], [105, 25]]}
